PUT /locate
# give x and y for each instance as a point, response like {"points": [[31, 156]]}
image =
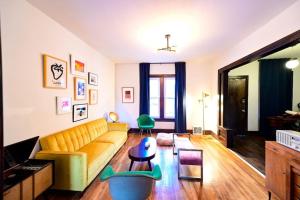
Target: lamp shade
{"points": [[205, 94], [114, 116]]}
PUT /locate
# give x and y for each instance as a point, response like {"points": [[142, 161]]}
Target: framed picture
{"points": [[80, 112], [63, 105], [78, 66], [93, 97], [55, 72], [93, 79], [127, 94], [79, 88]]}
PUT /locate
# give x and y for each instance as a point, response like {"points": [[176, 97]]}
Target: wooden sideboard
{"points": [[294, 173], [282, 122], [282, 167], [28, 180]]}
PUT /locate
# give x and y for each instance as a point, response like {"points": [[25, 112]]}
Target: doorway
{"points": [[252, 145], [248, 144], [238, 103]]}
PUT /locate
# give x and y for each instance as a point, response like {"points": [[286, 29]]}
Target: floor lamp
{"points": [[204, 95]]}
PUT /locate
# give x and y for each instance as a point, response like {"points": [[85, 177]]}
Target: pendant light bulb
{"points": [[292, 64]]}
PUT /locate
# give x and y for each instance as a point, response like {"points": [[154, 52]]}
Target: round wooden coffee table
{"points": [[143, 153]]}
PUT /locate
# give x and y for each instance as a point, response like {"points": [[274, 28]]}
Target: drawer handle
{"points": [[274, 149], [6, 192]]}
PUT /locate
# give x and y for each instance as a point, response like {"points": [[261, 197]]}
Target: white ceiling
{"points": [[132, 30]]}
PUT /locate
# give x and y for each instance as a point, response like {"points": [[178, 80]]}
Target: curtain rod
{"points": [[163, 63]]}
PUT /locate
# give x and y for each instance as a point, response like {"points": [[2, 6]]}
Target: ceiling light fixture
{"points": [[168, 48], [292, 63]]}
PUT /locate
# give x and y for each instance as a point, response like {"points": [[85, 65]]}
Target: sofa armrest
{"points": [[70, 169], [117, 126]]}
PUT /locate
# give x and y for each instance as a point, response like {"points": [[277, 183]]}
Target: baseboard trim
{"points": [[155, 130], [210, 132], [189, 131], [159, 130]]}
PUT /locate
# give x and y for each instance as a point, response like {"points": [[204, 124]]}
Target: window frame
{"points": [[162, 96]]}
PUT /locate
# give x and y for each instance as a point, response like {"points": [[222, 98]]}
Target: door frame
{"points": [[246, 77], [1, 117], [278, 45]]}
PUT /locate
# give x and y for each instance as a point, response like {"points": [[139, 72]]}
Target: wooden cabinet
{"points": [[12, 193], [278, 176], [42, 180], [225, 136], [26, 186], [29, 180], [294, 183], [22, 190]]}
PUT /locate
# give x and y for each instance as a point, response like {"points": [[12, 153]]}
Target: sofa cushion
{"points": [[98, 154], [68, 140], [97, 128], [118, 138], [190, 157]]}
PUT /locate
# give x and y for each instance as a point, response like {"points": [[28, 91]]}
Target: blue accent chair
{"points": [[133, 185]]}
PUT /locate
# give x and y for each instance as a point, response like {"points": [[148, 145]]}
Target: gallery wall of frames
{"points": [[56, 72]]}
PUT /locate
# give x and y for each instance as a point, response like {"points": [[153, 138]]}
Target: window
{"points": [[162, 97], [155, 97]]}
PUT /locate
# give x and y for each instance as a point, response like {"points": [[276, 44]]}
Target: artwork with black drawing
{"points": [[55, 72]]}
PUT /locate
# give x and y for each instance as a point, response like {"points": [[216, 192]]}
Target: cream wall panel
{"points": [[296, 88]]}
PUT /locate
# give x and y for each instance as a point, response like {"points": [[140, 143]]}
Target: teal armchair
{"points": [[133, 185], [145, 122]]}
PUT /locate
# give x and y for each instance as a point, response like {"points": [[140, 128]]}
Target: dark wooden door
{"points": [[238, 103]]}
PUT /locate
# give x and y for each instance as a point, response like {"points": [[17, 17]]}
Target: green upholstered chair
{"points": [[145, 122], [133, 185]]}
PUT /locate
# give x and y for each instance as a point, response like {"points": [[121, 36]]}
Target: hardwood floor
{"points": [[251, 148], [225, 176]]}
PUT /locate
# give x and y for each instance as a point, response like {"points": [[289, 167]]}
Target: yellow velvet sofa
{"points": [[81, 152]]}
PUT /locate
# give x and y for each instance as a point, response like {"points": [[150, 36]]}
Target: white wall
{"points": [[197, 80], [280, 26], [296, 88], [127, 75], [29, 109], [252, 71]]}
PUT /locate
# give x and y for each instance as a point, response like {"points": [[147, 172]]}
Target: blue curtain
{"points": [[144, 88], [180, 110], [276, 90]]}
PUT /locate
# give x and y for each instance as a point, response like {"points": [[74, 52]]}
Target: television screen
{"points": [[18, 153]]}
